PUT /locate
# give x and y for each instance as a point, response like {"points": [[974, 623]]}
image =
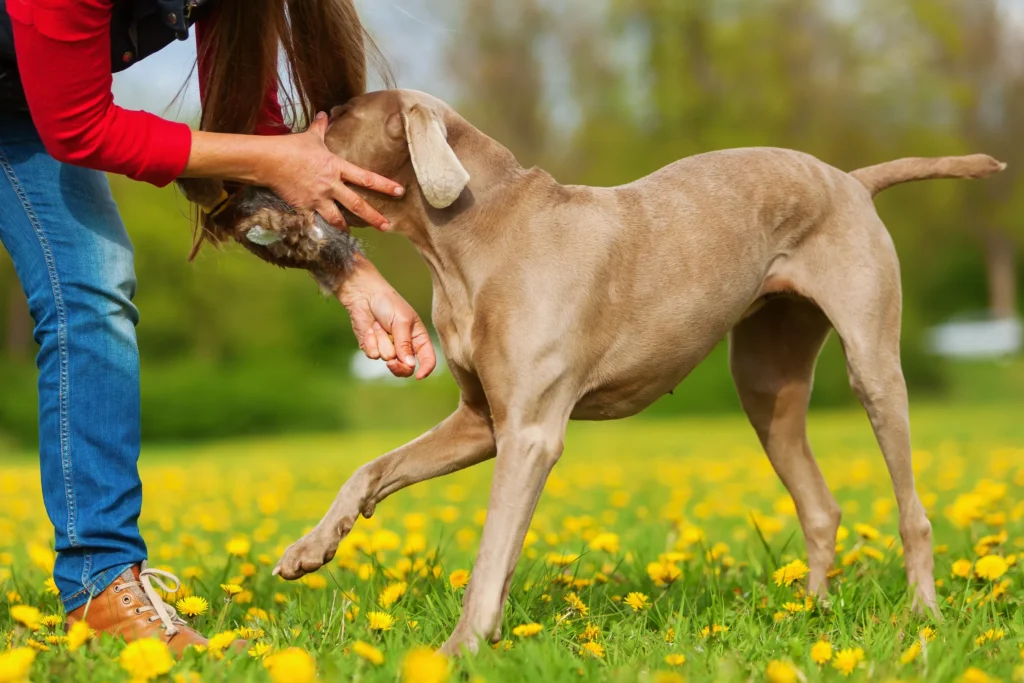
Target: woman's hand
{"points": [[307, 175], [298, 167], [385, 325]]}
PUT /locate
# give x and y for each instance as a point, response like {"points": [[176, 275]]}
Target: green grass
{"points": [[681, 485]]}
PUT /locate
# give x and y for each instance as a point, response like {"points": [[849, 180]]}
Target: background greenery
{"points": [[602, 93]]}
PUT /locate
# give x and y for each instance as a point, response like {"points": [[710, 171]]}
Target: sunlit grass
{"points": [[651, 556]]}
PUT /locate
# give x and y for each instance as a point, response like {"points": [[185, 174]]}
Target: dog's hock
{"points": [[440, 173]]}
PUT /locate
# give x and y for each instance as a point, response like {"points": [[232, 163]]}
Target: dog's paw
{"points": [[306, 555]]}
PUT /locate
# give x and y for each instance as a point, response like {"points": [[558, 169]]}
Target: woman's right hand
{"points": [[307, 175]]}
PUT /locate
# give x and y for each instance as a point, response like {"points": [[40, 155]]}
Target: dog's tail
{"points": [[882, 176]]}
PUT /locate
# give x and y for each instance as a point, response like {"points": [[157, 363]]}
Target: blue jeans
{"points": [[75, 262]]}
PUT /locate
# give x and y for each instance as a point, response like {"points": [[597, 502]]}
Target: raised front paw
{"points": [[306, 555]]}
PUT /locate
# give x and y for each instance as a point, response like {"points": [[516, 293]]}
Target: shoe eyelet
{"points": [[117, 588], [126, 600], [137, 610]]}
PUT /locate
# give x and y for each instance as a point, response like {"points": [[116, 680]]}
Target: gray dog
{"points": [[559, 302]]}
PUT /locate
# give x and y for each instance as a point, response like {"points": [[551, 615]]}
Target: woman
{"points": [[74, 258]]}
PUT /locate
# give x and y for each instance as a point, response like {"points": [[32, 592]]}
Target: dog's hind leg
{"points": [[463, 439], [772, 357], [862, 298]]}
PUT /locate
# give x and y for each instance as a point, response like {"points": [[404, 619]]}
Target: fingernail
{"points": [[320, 115], [410, 361], [399, 191], [385, 226]]}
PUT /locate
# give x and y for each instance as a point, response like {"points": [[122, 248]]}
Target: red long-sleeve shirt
{"points": [[63, 51]]}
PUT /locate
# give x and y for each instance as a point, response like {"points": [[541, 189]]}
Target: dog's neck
{"points": [[459, 242]]}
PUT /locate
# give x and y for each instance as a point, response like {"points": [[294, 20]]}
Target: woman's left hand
{"points": [[385, 325]]}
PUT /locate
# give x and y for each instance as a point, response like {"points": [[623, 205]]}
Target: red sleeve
{"points": [[271, 121], [63, 51]]}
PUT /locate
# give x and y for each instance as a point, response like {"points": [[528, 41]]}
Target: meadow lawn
{"points": [[654, 556]]}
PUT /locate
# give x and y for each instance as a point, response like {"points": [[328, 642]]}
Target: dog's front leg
{"points": [[464, 438], [526, 453]]}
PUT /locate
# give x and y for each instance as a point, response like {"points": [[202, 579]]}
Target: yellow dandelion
{"points": [[220, 642], [576, 604], [675, 660], [821, 652], [911, 653], [51, 620], [928, 633], [368, 652], [51, 586], [846, 660], [787, 574], [637, 601], [780, 672], [527, 630], [293, 665], [990, 567], [793, 607], [231, 589], [146, 659], [591, 632], [663, 573], [27, 616], [976, 675], [867, 532], [78, 635], [250, 633], [962, 569], [259, 650], [15, 664], [593, 649], [606, 542], [391, 594], [239, 546], [380, 621], [458, 579], [314, 581], [192, 606], [424, 665]]}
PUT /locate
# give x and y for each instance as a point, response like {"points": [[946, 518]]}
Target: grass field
{"points": [[693, 504]]}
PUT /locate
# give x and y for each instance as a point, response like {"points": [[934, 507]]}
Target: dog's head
{"points": [[406, 136]]}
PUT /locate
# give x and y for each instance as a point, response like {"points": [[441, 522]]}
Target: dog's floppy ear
{"points": [[439, 172]]}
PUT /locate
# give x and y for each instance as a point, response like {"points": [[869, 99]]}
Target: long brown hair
{"points": [[325, 48]]}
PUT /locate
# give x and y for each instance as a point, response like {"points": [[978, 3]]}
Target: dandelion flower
{"points": [[368, 652], [593, 649], [314, 581], [928, 633], [423, 665], [663, 573], [714, 630], [221, 642], [866, 531], [793, 607], [591, 632], [962, 568], [78, 635], [976, 675], [192, 606], [15, 664], [821, 652], [27, 616], [380, 621], [231, 589], [990, 567], [846, 660], [637, 601], [911, 653], [527, 630], [239, 546], [259, 650], [606, 542], [51, 620], [293, 665], [391, 594], [787, 574], [146, 659], [458, 579], [250, 633], [51, 586], [576, 604], [780, 672], [675, 660]]}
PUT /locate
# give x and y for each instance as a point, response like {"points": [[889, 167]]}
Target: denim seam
{"points": [[62, 345], [95, 587]]}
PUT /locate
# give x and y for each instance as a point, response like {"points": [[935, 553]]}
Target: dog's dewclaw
{"points": [[262, 236]]}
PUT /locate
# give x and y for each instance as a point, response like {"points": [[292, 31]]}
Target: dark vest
{"points": [[138, 28]]}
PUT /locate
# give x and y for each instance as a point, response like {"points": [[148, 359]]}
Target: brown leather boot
{"points": [[130, 608]]}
